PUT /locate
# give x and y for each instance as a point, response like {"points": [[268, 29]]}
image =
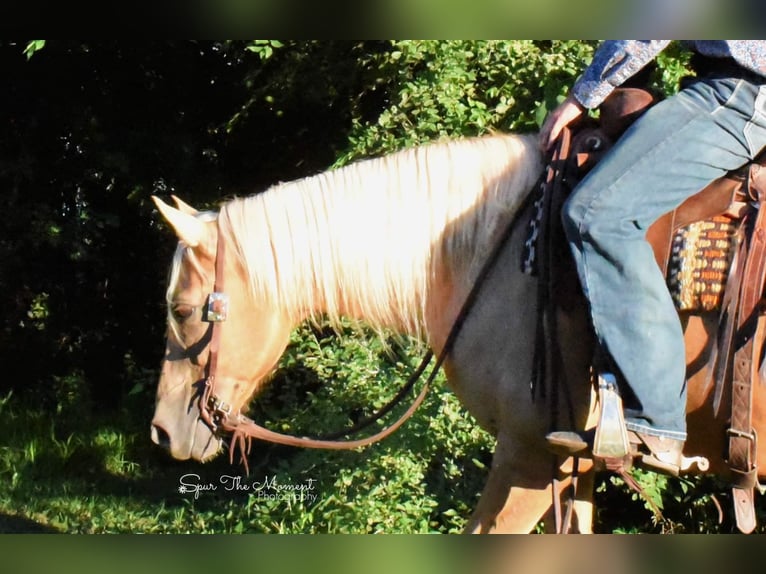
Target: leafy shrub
{"points": [[432, 89]]}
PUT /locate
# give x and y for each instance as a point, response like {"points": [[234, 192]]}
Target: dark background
{"points": [[89, 132]]}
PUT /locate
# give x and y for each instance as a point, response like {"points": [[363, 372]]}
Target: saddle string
{"points": [[546, 314], [548, 377]]}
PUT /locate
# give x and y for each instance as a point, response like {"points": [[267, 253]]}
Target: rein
{"points": [[220, 419]]}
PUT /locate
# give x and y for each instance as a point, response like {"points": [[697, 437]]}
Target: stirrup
{"points": [[612, 447], [609, 445], [611, 440]]}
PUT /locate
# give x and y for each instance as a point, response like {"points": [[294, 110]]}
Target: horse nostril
{"points": [[160, 436]]}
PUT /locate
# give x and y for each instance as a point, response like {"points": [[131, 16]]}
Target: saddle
{"points": [[727, 276]]}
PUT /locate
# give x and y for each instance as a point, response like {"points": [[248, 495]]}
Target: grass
{"points": [[71, 468], [75, 470]]}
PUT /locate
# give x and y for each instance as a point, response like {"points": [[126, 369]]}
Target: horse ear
{"points": [[189, 229], [183, 206]]}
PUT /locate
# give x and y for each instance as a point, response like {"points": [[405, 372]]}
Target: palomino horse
{"points": [[398, 242]]}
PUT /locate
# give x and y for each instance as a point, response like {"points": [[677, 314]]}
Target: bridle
{"points": [[220, 417]]}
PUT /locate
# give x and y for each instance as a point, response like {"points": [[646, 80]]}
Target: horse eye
{"points": [[182, 312]]}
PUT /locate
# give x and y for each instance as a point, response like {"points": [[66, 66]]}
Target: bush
{"points": [[432, 89]]}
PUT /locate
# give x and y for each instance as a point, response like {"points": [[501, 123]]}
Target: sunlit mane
{"points": [[368, 238]]}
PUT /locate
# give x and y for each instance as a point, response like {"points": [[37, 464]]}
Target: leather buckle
{"points": [[218, 412], [217, 309], [745, 478], [751, 436]]}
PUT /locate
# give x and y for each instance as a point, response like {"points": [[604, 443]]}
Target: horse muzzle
{"points": [[184, 438]]}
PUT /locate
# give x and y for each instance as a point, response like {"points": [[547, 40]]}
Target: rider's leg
{"points": [[673, 151]]}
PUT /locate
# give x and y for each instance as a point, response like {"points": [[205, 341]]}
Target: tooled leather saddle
{"points": [[735, 201]]}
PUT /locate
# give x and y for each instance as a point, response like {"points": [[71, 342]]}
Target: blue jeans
{"points": [[673, 151]]}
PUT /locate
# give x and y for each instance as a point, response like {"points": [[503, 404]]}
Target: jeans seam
{"points": [[654, 431]]}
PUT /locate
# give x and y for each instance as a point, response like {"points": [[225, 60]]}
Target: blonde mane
{"points": [[369, 237]]}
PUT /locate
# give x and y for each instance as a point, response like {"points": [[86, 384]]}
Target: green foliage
{"points": [[425, 478], [38, 310], [434, 89], [673, 64], [687, 505], [294, 84], [33, 47], [264, 48]]}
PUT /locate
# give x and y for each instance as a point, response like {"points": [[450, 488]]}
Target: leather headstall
{"points": [[220, 417]]}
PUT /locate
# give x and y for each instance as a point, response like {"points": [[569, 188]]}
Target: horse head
{"points": [[251, 339]]}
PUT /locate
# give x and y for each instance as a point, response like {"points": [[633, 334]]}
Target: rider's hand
{"points": [[563, 115]]}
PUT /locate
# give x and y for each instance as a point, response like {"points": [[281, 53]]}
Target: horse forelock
{"points": [[368, 239]]}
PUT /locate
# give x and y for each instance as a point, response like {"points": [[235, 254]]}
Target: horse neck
{"points": [[373, 240]]}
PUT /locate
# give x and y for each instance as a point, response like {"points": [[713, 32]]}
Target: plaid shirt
{"points": [[617, 60]]}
